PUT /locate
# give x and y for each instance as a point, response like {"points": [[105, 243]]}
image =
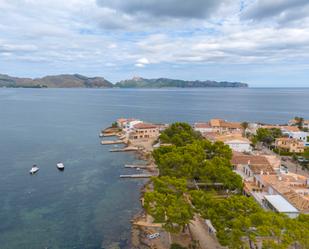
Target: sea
{"points": [[87, 206]]}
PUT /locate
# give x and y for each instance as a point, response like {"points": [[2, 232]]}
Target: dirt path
{"points": [[199, 232]]}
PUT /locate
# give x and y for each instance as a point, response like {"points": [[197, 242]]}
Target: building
{"points": [[293, 122], [202, 127], [294, 132], [143, 131], [236, 142], [278, 204], [127, 123], [249, 165], [293, 187], [290, 145], [222, 126]]}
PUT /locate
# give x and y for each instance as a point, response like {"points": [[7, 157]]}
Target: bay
{"points": [[87, 205]]}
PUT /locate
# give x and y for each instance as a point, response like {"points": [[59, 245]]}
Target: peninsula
{"points": [[219, 184], [81, 81]]}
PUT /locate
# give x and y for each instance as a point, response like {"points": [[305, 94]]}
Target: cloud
{"points": [[174, 37], [142, 62], [139, 65], [164, 8], [282, 9]]}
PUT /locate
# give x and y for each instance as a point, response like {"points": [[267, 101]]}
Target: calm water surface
{"points": [[87, 206]]}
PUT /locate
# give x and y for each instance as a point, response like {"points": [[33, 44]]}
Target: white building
{"points": [[278, 204], [239, 145], [129, 125], [299, 135], [202, 127]]}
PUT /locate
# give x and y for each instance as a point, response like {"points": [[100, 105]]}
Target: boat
{"points": [[60, 166], [34, 169]]}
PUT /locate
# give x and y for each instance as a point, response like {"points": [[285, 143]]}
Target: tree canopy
{"points": [[240, 222], [267, 136], [179, 134]]}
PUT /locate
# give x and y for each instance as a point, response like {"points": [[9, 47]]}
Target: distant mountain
{"points": [[138, 82], [80, 81], [56, 81]]}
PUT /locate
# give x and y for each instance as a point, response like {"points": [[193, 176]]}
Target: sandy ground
{"points": [[200, 233]]}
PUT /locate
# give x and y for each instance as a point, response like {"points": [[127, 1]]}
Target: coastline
{"points": [[142, 151]]}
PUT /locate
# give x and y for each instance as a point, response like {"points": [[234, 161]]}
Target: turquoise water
{"points": [[87, 205]]}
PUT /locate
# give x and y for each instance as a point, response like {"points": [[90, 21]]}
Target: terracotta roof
{"points": [[223, 123], [265, 168], [290, 128], [215, 122], [251, 159], [145, 126], [230, 138], [291, 187], [202, 125], [121, 120]]}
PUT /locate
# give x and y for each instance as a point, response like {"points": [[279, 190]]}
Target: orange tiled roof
{"points": [[244, 159], [291, 187], [223, 123], [145, 126], [265, 168], [202, 125], [290, 128]]}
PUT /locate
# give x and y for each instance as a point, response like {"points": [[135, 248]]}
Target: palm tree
{"points": [[244, 125]]}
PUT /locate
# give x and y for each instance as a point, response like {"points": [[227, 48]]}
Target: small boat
{"points": [[60, 166], [34, 169]]}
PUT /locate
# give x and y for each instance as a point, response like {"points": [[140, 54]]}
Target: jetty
{"points": [[136, 176], [136, 166], [130, 148], [106, 142], [109, 134]]}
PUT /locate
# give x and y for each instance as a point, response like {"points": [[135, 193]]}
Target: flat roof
{"points": [[280, 204]]}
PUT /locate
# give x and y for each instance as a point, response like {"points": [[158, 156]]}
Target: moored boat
{"points": [[34, 169], [60, 166]]}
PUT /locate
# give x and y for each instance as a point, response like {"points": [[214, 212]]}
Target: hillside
{"points": [[138, 82], [56, 81], [80, 81]]}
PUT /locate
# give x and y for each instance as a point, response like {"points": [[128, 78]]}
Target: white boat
{"points": [[34, 169], [60, 166]]}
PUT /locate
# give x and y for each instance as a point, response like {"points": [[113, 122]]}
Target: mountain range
{"points": [[80, 81], [56, 81], [138, 82]]}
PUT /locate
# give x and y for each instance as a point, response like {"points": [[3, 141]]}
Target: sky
{"points": [[261, 42]]}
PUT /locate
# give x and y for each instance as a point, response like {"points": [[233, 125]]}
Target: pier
{"points": [[109, 134], [124, 149], [135, 166], [112, 142], [136, 176]]}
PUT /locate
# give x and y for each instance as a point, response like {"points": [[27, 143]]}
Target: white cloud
{"points": [[115, 35], [139, 65]]}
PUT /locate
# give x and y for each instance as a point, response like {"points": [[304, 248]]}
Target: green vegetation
{"points": [[299, 122], [240, 222], [138, 82], [267, 136], [114, 125], [180, 134], [167, 203], [306, 153], [238, 219], [245, 126]]}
